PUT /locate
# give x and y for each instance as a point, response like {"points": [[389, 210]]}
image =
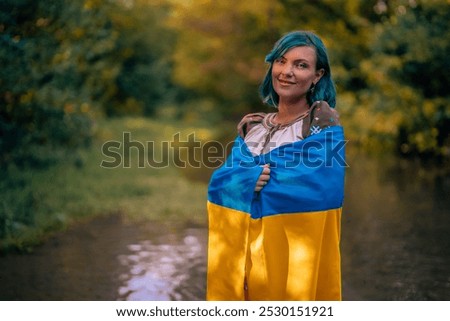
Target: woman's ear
{"points": [[319, 74]]}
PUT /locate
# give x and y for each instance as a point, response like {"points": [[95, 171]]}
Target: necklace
{"points": [[272, 126], [271, 120]]}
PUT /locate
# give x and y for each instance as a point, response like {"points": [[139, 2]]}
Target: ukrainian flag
{"points": [[282, 242]]}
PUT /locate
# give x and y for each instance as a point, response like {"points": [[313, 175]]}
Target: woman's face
{"points": [[294, 72]]}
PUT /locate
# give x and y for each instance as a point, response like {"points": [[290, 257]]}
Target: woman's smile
{"points": [[286, 82]]}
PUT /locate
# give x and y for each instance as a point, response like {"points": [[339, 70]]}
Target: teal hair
{"points": [[323, 90]]}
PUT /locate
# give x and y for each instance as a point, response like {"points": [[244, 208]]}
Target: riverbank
{"points": [[122, 172]]}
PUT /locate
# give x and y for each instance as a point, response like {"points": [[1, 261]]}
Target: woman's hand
{"points": [[263, 178]]}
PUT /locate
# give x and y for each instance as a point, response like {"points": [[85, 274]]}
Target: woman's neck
{"points": [[288, 112]]}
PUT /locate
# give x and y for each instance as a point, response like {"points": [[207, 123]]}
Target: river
{"points": [[395, 246]]}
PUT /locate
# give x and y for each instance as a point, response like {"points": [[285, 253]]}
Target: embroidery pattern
{"points": [[315, 130]]}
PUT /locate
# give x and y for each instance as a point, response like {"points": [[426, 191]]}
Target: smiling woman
{"points": [[274, 216]]}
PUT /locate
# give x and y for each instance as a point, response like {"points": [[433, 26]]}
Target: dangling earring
{"points": [[311, 89]]}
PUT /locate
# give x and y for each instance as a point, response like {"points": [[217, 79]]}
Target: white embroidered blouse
{"points": [[267, 135], [262, 134]]}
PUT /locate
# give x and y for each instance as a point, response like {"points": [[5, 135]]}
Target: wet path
{"points": [[108, 259]]}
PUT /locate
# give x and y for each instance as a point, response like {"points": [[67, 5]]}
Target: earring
{"points": [[311, 89]]}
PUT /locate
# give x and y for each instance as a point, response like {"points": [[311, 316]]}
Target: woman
{"points": [[275, 205]]}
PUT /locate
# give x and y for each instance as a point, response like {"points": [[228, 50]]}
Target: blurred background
{"points": [[77, 74]]}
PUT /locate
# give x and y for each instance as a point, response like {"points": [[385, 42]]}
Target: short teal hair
{"points": [[323, 90]]}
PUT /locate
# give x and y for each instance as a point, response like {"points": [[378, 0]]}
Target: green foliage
{"points": [[67, 64], [145, 45], [46, 108], [408, 76]]}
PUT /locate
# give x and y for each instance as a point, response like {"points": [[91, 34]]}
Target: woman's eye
{"points": [[301, 65]]}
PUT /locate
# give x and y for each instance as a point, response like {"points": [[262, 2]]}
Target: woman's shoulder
{"points": [[321, 116], [248, 122], [324, 113]]}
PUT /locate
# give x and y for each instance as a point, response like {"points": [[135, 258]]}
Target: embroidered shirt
{"points": [[262, 134], [267, 135]]}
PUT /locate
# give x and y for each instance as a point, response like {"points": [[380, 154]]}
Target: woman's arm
{"points": [[248, 121]]}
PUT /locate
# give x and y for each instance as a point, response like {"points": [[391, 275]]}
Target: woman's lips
{"points": [[285, 82]]}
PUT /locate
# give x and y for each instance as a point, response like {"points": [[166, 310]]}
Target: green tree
{"points": [[408, 75], [66, 63], [56, 72], [145, 45]]}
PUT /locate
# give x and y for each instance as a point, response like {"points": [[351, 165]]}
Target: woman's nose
{"points": [[287, 70]]}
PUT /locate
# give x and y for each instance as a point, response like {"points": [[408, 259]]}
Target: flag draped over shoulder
{"points": [[282, 242]]}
